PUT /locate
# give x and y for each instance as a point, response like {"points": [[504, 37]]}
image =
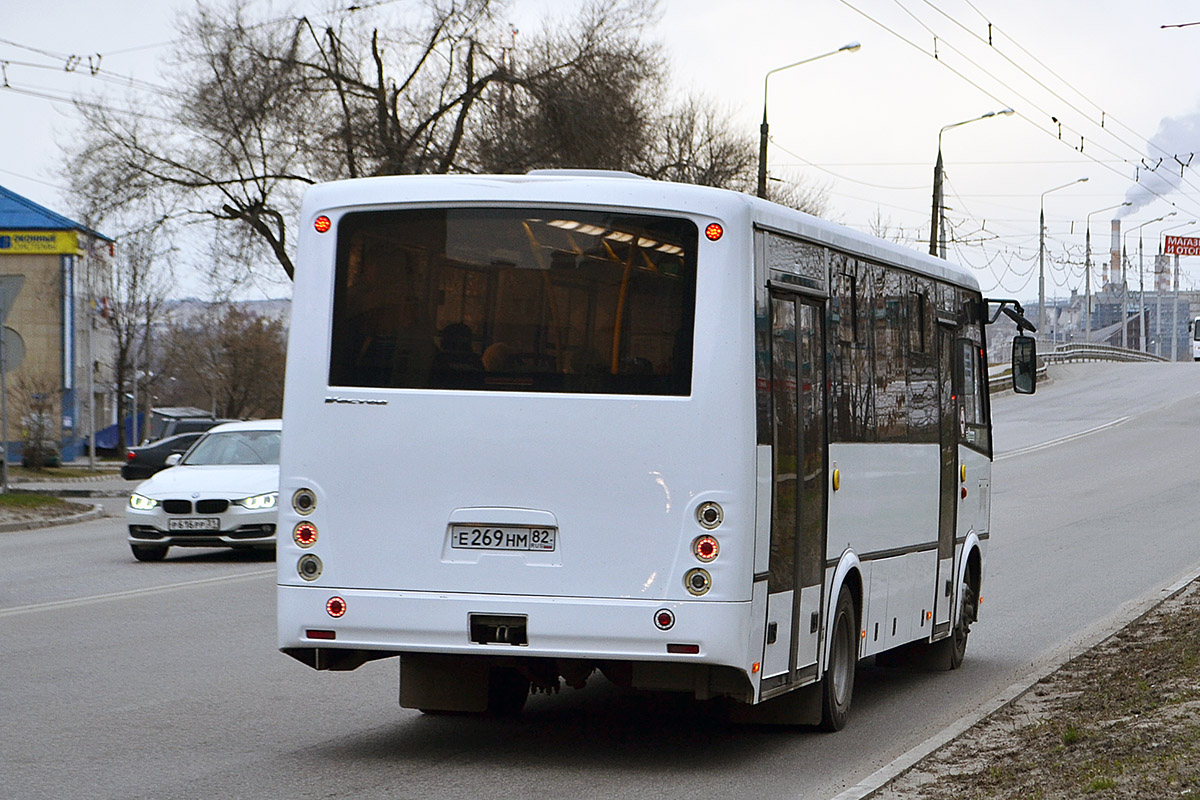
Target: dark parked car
{"points": [[169, 421], [142, 462]]}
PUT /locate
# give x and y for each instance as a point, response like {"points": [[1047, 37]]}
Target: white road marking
{"points": [[1033, 448], [149, 590]]}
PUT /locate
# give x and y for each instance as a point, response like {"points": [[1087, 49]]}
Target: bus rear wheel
{"points": [[837, 688]]}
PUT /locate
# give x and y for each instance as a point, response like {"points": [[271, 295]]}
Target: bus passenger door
{"points": [[799, 481], [949, 385]]}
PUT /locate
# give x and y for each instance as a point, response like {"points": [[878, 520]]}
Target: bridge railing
{"points": [[1086, 351], [1000, 376]]}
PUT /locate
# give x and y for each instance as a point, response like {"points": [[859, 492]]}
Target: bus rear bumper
{"points": [[386, 623]]}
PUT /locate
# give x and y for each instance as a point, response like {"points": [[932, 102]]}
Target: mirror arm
{"points": [[1013, 310]]}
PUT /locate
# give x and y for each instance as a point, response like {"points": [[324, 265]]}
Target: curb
{"points": [[102, 475], [1123, 617], [94, 511], [60, 491]]}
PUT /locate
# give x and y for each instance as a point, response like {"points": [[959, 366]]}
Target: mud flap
{"points": [[444, 683]]}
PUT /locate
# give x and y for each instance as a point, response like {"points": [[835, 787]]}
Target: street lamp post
{"points": [[1087, 269], [1042, 253], [1174, 300], [1143, 328], [1125, 277], [762, 131], [937, 228]]}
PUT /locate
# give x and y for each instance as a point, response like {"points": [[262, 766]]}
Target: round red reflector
{"points": [[706, 548], [714, 231], [336, 606], [322, 224], [305, 534], [664, 619]]}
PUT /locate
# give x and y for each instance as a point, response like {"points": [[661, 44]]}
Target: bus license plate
{"points": [[509, 537], [194, 524]]}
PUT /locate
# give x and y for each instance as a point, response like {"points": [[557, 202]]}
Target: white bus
{"points": [[546, 425], [1195, 330]]}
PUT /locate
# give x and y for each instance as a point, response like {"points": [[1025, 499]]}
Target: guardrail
{"points": [[1082, 351], [1000, 376]]}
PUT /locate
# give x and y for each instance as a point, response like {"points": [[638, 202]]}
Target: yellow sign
{"points": [[26, 242]]}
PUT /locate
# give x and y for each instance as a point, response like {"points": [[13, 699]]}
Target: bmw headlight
{"points": [[141, 502], [259, 502]]}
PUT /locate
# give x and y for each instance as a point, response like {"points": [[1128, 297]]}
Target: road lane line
{"points": [[1033, 448], [104, 598]]}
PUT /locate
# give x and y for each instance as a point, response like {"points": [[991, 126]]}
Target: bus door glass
{"points": [[950, 392], [798, 507]]}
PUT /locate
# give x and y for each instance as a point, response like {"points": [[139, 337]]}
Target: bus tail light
{"points": [[309, 567], [304, 501], [664, 619], [697, 581], [304, 534], [335, 606], [706, 548], [710, 515]]}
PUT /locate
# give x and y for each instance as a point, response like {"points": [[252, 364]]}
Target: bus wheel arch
{"points": [[837, 686], [966, 609], [841, 643]]}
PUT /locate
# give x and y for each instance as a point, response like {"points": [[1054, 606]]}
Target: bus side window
{"points": [[973, 420]]}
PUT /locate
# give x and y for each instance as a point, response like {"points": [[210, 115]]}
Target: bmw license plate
{"points": [[508, 537], [194, 524]]}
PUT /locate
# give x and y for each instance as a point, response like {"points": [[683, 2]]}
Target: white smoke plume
{"points": [[1161, 172]]}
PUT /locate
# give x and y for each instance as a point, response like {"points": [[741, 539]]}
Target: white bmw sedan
{"points": [[222, 493]]}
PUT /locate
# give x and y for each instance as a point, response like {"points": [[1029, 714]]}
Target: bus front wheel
{"points": [[948, 653], [838, 685]]}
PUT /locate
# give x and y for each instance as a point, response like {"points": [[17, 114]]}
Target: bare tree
{"points": [[696, 142], [581, 94], [133, 292], [809, 197], [258, 110], [38, 397], [228, 359]]}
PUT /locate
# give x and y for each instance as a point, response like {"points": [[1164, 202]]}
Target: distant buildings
{"points": [[1161, 315]]}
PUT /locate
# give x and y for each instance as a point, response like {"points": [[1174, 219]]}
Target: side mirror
{"points": [[173, 459], [1024, 365]]}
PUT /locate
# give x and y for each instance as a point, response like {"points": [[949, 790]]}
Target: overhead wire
{"points": [[1105, 116], [991, 94], [992, 28]]}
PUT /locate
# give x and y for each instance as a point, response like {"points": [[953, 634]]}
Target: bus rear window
{"points": [[542, 300]]}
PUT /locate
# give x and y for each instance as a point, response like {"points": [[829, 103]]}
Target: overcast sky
{"points": [[864, 125]]}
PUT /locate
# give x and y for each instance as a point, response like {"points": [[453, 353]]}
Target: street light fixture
{"points": [[1087, 269], [1158, 293], [850, 47], [1142, 293], [1042, 252], [1125, 276], [936, 218]]}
